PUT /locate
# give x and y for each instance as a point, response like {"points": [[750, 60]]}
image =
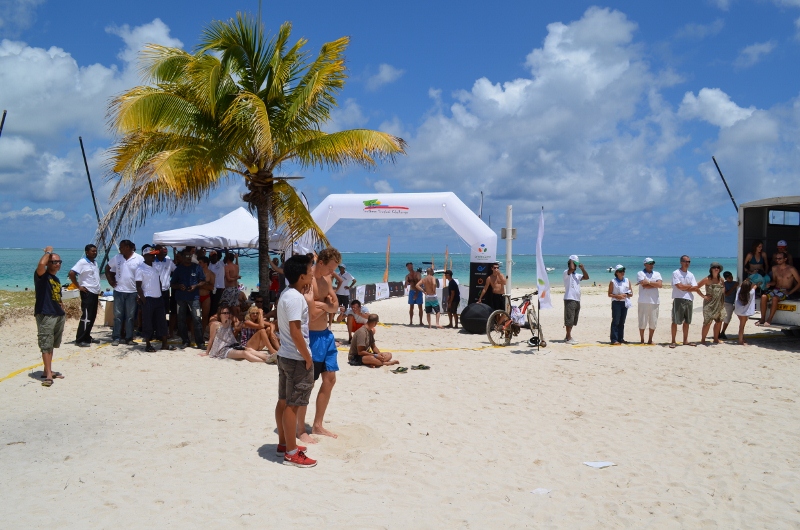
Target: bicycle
{"points": [[503, 325]]}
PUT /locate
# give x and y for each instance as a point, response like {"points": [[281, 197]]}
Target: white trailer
{"points": [[769, 221]]}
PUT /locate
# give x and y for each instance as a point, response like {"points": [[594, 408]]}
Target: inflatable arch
{"points": [[481, 239]]}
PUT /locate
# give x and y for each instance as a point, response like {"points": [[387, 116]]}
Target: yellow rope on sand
{"points": [[37, 365]]}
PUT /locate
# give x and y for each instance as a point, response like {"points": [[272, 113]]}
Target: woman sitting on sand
{"points": [[713, 301], [256, 333], [222, 343], [745, 305]]}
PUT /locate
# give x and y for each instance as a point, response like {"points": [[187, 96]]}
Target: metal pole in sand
{"points": [[509, 237]]}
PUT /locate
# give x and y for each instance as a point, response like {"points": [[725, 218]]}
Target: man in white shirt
{"points": [[216, 266], [149, 288], [164, 265], [649, 282], [572, 295], [85, 275], [346, 281], [683, 285], [120, 273]]}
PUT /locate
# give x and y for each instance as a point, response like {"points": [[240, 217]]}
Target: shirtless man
{"points": [[785, 282], [497, 282], [230, 295], [428, 287], [414, 296], [321, 299], [206, 290]]}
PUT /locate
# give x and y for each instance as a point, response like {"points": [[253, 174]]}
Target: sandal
{"points": [[56, 375], [47, 382], [399, 370], [149, 349], [420, 367]]}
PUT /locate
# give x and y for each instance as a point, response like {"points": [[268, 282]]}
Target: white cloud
{"points": [[17, 15], [156, 32], [386, 74], [57, 215], [700, 31], [752, 54], [722, 4], [347, 116], [714, 106], [383, 186]]}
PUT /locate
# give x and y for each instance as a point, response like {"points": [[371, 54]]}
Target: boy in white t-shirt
{"points": [[572, 295], [649, 282], [295, 367]]}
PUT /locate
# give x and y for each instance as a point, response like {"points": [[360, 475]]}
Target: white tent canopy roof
{"points": [[238, 229]]}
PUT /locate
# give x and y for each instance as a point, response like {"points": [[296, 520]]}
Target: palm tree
{"points": [[242, 106]]}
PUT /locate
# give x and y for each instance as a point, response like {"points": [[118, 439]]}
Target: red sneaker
{"points": [[281, 449], [299, 459]]}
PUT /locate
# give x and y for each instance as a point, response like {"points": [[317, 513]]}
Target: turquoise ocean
{"points": [[17, 266]]}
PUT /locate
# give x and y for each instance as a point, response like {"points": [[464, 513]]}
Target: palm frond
{"points": [[290, 217], [356, 146]]}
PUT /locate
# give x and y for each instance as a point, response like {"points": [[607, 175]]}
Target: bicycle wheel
{"points": [[498, 328], [536, 329]]}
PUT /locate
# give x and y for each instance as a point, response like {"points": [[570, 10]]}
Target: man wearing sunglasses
{"points": [[496, 287], [48, 311]]}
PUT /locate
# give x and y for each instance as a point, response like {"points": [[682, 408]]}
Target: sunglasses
{"points": [[56, 261], [225, 313], [686, 261]]}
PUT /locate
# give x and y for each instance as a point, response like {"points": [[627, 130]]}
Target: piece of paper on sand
{"points": [[541, 491], [600, 465]]}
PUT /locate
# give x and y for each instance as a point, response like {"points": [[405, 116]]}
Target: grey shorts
{"points": [[295, 382], [682, 311], [572, 309], [49, 330]]}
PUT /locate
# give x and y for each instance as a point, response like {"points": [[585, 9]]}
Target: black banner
{"points": [[478, 272]]}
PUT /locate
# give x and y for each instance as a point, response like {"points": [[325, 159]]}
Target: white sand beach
{"points": [[701, 437]]}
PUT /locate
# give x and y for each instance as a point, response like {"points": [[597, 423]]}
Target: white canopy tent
{"points": [[238, 229]]}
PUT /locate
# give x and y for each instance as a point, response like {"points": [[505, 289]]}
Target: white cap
{"points": [[574, 257], [781, 243], [619, 268], [649, 260]]}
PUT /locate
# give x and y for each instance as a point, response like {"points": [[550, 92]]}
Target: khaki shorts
{"points": [[728, 313], [648, 315], [572, 309], [682, 311], [50, 328], [295, 382]]}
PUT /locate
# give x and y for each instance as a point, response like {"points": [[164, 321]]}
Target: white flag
{"points": [[542, 281]]}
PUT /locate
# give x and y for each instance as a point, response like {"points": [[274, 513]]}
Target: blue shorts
{"points": [[323, 352], [414, 297]]}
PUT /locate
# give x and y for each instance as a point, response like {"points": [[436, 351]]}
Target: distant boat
{"points": [[549, 269]]}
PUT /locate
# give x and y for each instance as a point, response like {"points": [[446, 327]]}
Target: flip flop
{"points": [[171, 348], [420, 367], [56, 375], [673, 345], [47, 382], [399, 370], [150, 349], [690, 344]]}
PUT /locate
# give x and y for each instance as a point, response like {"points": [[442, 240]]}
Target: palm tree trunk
{"points": [[262, 199]]}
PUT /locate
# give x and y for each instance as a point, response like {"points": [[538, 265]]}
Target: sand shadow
{"points": [[267, 452]]}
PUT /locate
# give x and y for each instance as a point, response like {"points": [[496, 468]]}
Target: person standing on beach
{"points": [[745, 306], [148, 287], [683, 285], [343, 287], [453, 298], [730, 300], [414, 296], [206, 290], [496, 285], [187, 281], [713, 302], [48, 311], [165, 266], [120, 273], [216, 266], [295, 364], [619, 290], [230, 296], [572, 295], [428, 287], [85, 275], [649, 282]]}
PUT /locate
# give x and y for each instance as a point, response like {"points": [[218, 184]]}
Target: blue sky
{"points": [[605, 114]]}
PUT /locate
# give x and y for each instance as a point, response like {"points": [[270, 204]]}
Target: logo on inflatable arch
{"points": [[481, 253], [375, 206]]}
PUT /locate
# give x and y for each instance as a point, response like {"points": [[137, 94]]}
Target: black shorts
{"points": [[453, 309], [344, 300], [497, 301]]}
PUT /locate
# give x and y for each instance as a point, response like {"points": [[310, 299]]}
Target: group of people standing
{"points": [[722, 298]]}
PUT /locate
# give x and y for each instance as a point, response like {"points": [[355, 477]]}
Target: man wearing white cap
{"points": [[572, 295], [649, 282], [782, 248]]}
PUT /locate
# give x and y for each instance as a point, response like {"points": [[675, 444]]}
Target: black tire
{"points": [[498, 334], [536, 329]]}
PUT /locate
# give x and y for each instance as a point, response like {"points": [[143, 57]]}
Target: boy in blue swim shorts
{"points": [[414, 295], [323, 352]]}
